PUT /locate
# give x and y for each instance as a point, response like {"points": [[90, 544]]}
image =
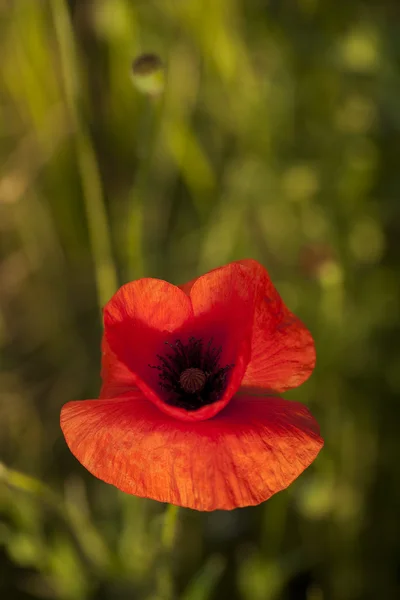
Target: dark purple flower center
{"points": [[191, 374]]}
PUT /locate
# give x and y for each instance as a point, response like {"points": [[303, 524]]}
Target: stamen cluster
{"points": [[191, 374]]}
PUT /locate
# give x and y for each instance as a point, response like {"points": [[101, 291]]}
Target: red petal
{"points": [[145, 314], [282, 348], [117, 378], [283, 352], [223, 300], [252, 449], [158, 304], [137, 321]]}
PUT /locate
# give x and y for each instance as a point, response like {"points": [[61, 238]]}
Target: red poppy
{"points": [[188, 410]]}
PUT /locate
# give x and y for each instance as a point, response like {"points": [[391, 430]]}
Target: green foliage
{"points": [[276, 137]]}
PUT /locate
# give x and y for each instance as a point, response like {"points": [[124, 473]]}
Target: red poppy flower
{"points": [[188, 410]]}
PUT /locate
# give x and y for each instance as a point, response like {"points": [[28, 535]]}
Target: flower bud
{"points": [[148, 74]]}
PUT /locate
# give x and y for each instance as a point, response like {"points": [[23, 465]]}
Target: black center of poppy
{"points": [[191, 374]]}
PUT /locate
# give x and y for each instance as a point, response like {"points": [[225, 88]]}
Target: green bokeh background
{"points": [[277, 138]]}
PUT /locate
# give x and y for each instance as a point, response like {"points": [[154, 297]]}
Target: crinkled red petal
{"points": [[252, 449], [282, 348], [283, 351]]}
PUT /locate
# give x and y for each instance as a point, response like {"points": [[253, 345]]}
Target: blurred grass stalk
{"points": [[97, 220], [74, 512], [83, 531], [29, 484]]}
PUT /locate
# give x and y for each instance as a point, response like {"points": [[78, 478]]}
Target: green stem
{"points": [[165, 584], [169, 528]]}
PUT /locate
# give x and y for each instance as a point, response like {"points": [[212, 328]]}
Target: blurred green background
{"points": [[277, 138]]}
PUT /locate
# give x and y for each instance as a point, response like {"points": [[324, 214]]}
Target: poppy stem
{"points": [[165, 578], [169, 528]]}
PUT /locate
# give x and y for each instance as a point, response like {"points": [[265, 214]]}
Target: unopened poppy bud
{"points": [[148, 74], [192, 380]]}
